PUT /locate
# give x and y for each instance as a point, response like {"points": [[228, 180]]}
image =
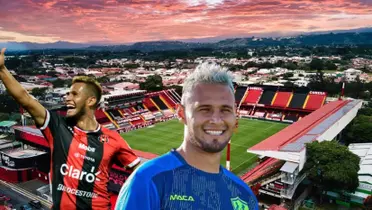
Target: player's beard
{"points": [[81, 112], [213, 146]]}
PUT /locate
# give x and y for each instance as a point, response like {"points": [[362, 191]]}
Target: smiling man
{"points": [[191, 176], [82, 152]]}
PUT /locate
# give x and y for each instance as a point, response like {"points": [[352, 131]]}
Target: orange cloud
{"points": [[123, 21]]}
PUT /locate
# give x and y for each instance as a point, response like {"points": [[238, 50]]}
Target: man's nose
{"points": [[67, 98], [216, 117]]}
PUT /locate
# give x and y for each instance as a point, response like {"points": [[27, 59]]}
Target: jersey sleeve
{"points": [[138, 192], [51, 125], [253, 203], [125, 156]]}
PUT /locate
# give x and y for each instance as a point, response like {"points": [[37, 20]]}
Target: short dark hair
{"points": [[92, 84]]}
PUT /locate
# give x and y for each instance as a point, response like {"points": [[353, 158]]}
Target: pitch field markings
{"points": [[162, 137]]}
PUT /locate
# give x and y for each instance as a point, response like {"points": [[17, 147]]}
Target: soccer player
{"points": [[191, 177], [82, 151]]}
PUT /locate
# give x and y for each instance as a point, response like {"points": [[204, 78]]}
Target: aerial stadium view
{"points": [[160, 138], [147, 121], [91, 116]]}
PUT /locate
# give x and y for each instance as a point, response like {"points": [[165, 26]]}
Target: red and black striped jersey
{"points": [[80, 162]]}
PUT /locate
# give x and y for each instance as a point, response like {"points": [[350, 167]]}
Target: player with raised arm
{"points": [[82, 151]]}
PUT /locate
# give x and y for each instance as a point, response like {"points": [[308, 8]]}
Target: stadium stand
{"points": [[175, 96], [168, 113], [274, 115], [239, 93], [159, 102], [259, 113], [167, 98], [123, 123], [112, 120], [172, 97], [101, 117], [298, 100], [110, 126], [262, 171], [315, 100], [136, 120], [158, 115], [147, 116], [282, 99], [252, 96], [279, 174], [114, 113], [127, 112], [140, 106], [149, 104], [283, 104], [290, 118], [267, 97]]}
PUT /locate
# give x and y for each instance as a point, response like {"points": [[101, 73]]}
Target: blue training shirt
{"points": [[168, 182]]}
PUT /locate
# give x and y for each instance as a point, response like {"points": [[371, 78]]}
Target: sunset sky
{"points": [[128, 21]]}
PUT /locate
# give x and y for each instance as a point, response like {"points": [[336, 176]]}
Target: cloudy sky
{"points": [[127, 21]]}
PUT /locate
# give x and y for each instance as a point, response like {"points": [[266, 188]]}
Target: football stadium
{"points": [[162, 137], [268, 151]]}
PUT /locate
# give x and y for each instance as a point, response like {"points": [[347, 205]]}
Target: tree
{"points": [[329, 65], [360, 130], [316, 64], [131, 65], [152, 83], [61, 83], [279, 63], [8, 104], [291, 66], [289, 84], [304, 66], [287, 75], [325, 169], [365, 111], [103, 79]]}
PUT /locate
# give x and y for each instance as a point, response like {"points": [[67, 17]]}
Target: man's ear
{"points": [[181, 113], [92, 101]]}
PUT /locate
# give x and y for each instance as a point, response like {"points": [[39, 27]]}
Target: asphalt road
{"points": [[17, 199]]}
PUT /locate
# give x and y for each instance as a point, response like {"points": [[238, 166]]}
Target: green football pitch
{"points": [[162, 137]]}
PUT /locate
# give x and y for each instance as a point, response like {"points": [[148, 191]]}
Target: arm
{"points": [[138, 192], [126, 156], [36, 110]]}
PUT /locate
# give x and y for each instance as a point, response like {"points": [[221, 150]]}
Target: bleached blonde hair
{"points": [[206, 73]]}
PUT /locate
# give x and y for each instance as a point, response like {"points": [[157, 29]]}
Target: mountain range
{"points": [[361, 36]]}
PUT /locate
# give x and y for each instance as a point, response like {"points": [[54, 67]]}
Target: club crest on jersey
{"points": [[103, 139], [239, 204]]}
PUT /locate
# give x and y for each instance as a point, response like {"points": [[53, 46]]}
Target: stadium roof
{"points": [[116, 93], [24, 153], [364, 151], [294, 137], [31, 130], [324, 123]]}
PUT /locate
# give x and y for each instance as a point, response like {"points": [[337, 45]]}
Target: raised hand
{"points": [[2, 58]]}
